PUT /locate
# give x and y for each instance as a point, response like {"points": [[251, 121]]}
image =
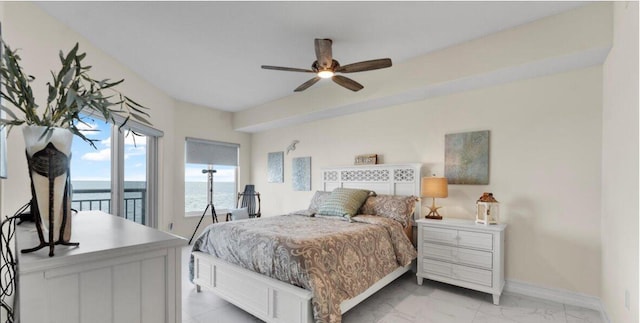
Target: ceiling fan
{"points": [[327, 67]]}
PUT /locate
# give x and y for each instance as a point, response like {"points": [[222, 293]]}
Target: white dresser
{"points": [[462, 253], [121, 272]]}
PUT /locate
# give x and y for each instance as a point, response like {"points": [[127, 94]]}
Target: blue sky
{"points": [[193, 173], [89, 164]]}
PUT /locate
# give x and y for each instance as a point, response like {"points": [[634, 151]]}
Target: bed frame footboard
{"points": [[266, 298]]}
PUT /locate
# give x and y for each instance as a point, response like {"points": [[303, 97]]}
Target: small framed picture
{"points": [[370, 159]]}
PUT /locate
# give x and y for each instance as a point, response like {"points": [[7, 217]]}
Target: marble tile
{"points": [[583, 315], [525, 309], [226, 314], [436, 310], [459, 296], [486, 318], [366, 313]]}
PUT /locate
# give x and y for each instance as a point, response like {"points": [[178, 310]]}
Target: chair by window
{"points": [[248, 199]]}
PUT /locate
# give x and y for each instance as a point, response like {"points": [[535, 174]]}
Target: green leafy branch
{"points": [[71, 94]]}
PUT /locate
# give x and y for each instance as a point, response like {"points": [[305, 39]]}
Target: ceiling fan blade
{"points": [[307, 84], [323, 52], [348, 83], [373, 64], [288, 69]]}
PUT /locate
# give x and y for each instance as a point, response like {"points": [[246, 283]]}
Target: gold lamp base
{"points": [[433, 211]]}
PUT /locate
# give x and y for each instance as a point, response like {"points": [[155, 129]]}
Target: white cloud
{"points": [[134, 151], [88, 129], [194, 175], [100, 155], [140, 141]]}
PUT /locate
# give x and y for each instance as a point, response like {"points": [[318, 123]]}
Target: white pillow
{"points": [[239, 214]]}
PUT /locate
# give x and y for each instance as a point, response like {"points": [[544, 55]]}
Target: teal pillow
{"points": [[344, 202]]}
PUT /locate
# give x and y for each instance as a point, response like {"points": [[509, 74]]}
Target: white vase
{"points": [[40, 169]]}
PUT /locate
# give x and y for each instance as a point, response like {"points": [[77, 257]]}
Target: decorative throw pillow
{"points": [[399, 208], [344, 202], [239, 214], [318, 198]]}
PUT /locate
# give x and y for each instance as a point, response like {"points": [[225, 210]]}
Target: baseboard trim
{"points": [[557, 295]]}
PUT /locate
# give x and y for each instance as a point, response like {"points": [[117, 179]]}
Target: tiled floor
{"points": [[404, 301]]}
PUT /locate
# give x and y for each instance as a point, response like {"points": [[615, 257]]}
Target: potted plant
{"points": [[73, 96]]}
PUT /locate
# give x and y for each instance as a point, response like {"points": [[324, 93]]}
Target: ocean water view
{"points": [[134, 196], [195, 196], [224, 196]]}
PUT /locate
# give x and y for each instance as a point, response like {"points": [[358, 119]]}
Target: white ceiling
{"points": [[209, 53]]}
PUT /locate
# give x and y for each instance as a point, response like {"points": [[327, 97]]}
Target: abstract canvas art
{"points": [[301, 167], [275, 167], [466, 158]]}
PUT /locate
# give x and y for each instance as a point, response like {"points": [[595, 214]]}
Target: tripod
{"points": [[214, 216]]}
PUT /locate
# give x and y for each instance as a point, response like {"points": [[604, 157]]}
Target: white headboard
{"points": [[392, 179]]}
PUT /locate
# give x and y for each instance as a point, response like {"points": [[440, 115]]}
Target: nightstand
{"points": [[463, 253]]}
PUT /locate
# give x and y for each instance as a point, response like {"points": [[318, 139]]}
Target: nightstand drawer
{"points": [[469, 274], [476, 258], [437, 267], [440, 252], [475, 240], [439, 235], [473, 275]]}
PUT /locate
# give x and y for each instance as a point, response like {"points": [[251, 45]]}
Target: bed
{"points": [[310, 269]]}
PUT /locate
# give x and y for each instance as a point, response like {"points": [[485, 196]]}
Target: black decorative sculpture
{"points": [[51, 163]]}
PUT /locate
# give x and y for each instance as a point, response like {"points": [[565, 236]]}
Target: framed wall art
{"points": [[369, 159], [301, 167], [275, 167], [466, 158]]}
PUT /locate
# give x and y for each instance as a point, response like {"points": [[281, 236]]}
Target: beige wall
{"points": [[544, 156], [620, 167]]}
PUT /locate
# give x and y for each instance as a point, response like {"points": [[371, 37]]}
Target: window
{"points": [[120, 176], [91, 168], [203, 155]]}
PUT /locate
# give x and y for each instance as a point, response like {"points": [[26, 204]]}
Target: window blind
{"points": [[200, 151]]}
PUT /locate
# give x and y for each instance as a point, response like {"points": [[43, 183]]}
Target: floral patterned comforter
{"points": [[335, 260]]}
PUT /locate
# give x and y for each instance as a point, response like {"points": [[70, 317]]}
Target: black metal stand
{"points": [[214, 216], [51, 163]]}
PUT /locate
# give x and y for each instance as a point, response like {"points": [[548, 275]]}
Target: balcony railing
{"points": [[100, 199]]}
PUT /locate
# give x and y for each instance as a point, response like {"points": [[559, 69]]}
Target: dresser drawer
{"points": [[457, 255], [459, 272], [476, 240], [439, 235]]}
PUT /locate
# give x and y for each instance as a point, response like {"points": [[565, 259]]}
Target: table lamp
{"points": [[434, 187]]}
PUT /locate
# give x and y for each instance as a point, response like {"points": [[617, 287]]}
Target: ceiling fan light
{"points": [[325, 74]]}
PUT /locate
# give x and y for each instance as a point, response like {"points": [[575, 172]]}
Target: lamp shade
{"points": [[434, 187]]}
